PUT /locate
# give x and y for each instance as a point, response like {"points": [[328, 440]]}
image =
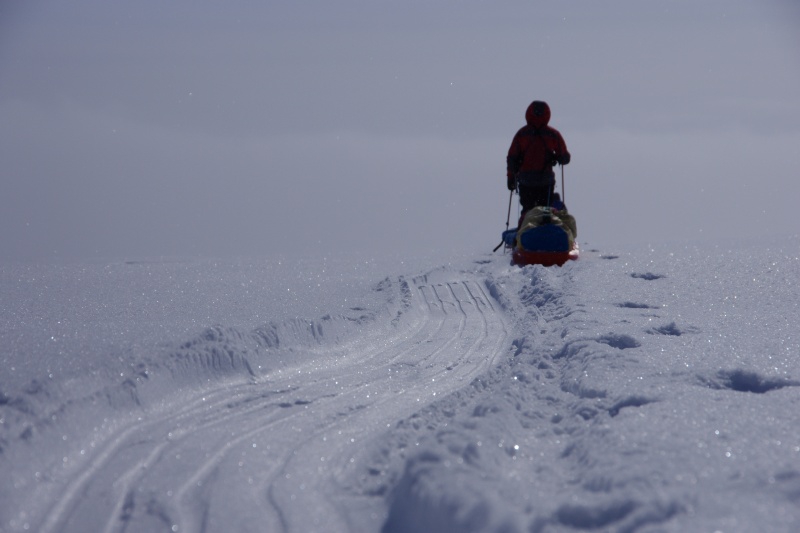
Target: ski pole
{"points": [[508, 220], [563, 191], [508, 217]]}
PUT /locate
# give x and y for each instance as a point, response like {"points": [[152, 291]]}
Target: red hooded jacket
{"points": [[535, 149]]}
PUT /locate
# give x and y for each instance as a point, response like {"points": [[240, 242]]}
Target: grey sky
{"points": [[214, 128]]}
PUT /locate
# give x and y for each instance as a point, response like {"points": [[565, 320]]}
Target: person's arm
{"points": [[513, 164]]}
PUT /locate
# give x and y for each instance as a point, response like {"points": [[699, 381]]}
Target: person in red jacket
{"points": [[535, 150]]}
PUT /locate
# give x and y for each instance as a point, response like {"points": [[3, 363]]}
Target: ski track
{"points": [[287, 442]]}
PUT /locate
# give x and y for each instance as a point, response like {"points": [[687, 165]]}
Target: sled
{"points": [[546, 245], [527, 257]]}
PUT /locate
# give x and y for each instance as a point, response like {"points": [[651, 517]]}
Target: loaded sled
{"points": [[545, 236]]}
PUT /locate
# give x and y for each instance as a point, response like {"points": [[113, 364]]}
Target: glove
{"points": [[511, 182], [512, 165], [564, 158]]}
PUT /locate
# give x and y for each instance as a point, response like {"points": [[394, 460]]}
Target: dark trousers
{"points": [[531, 196]]}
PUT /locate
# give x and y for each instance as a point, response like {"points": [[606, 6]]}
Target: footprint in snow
{"points": [[619, 341], [634, 305], [649, 276], [671, 329], [630, 401], [746, 381]]}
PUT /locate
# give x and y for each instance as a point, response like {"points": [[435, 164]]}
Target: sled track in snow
{"points": [[272, 452]]}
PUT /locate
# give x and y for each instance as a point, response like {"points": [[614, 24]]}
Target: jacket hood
{"points": [[538, 114]]}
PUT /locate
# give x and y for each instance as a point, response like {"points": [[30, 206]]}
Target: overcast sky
{"points": [[199, 128]]}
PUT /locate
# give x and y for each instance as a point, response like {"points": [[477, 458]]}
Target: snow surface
{"points": [[648, 389]]}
